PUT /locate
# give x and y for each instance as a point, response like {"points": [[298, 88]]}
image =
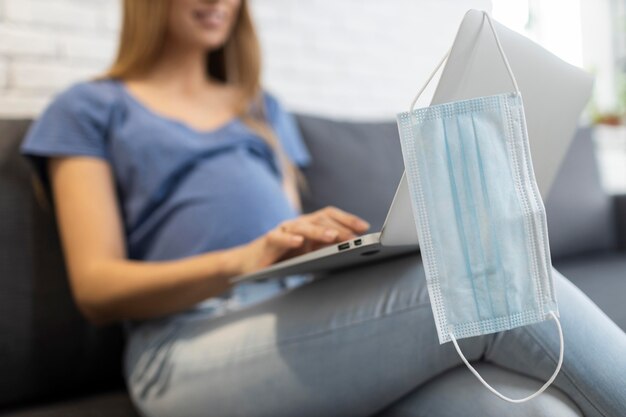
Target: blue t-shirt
{"points": [[181, 191]]}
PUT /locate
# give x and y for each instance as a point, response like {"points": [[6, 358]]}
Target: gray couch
{"points": [[53, 363]]}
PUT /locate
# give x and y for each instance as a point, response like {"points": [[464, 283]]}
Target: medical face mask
{"points": [[479, 216]]}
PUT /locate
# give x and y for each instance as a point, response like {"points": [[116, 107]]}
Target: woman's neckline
{"points": [[153, 113]]}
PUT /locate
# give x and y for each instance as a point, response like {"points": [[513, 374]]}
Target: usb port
{"points": [[344, 246], [357, 242]]}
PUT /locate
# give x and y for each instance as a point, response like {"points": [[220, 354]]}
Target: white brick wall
{"points": [[341, 58], [3, 74], [355, 58], [46, 45]]}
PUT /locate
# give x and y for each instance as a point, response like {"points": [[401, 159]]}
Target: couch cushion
{"points": [[355, 166], [579, 212], [47, 349], [602, 276], [115, 404]]}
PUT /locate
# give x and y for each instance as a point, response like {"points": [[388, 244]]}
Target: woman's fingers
{"points": [[305, 228], [344, 233], [307, 233], [281, 238], [350, 221], [325, 226], [269, 248]]}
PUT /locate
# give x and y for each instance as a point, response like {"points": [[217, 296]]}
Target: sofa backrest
{"points": [[354, 166], [580, 213], [47, 349]]}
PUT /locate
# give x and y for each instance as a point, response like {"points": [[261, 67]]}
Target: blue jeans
{"points": [[362, 342]]}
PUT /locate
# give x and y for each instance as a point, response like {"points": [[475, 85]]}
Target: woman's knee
{"points": [[458, 393]]}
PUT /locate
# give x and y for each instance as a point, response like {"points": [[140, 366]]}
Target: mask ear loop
{"points": [[447, 54], [504, 397], [430, 77], [552, 315], [502, 54]]}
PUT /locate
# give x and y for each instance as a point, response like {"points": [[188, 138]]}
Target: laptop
{"points": [[554, 94]]}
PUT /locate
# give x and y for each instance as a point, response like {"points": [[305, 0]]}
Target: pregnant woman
{"points": [[176, 171]]}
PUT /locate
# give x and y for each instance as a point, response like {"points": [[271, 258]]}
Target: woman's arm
{"points": [[105, 284]]}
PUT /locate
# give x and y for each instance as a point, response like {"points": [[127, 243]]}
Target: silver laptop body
{"points": [[554, 94]]}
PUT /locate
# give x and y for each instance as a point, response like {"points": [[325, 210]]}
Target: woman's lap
{"points": [[350, 344]]}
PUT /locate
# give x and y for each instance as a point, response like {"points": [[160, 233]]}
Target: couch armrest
{"points": [[619, 201]]}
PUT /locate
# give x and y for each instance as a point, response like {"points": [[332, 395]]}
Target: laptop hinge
{"points": [[399, 227]]}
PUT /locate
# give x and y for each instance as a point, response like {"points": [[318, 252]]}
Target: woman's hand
{"points": [[303, 234]]}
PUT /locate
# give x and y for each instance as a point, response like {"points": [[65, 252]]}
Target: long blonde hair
{"points": [[237, 62]]}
